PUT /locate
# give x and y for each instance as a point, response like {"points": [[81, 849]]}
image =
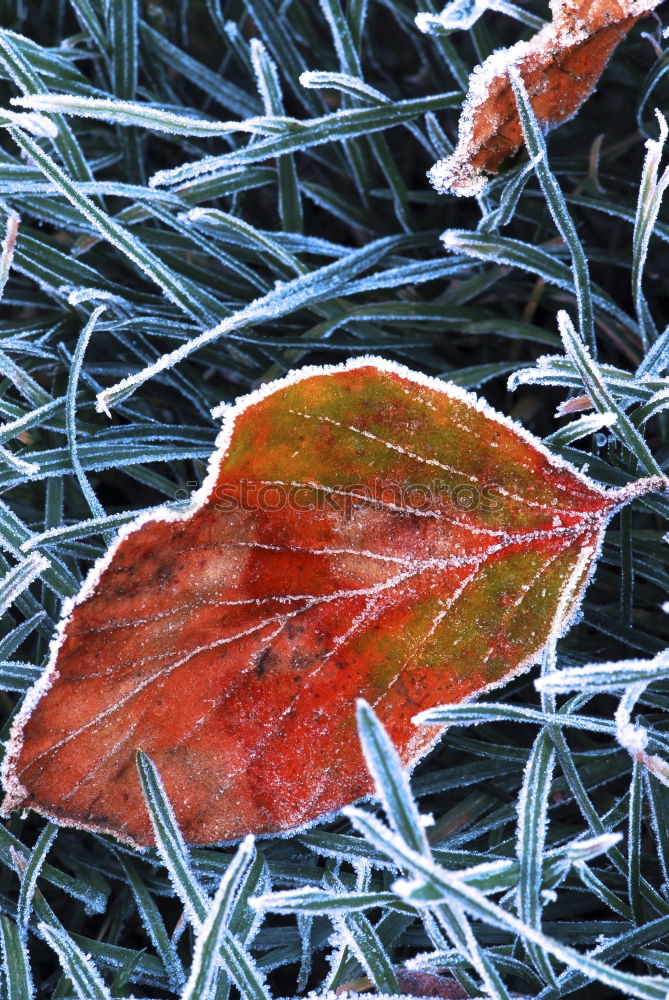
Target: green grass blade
{"points": [[21, 71], [602, 399], [651, 191], [337, 127], [20, 577], [323, 283], [129, 245], [536, 147], [33, 870], [134, 114], [215, 945], [269, 85], [155, 927], [531, 843], [606, 676], [443, 885], [364, 942], [391, 784], [70, 412], [16, 961], [85, 978], [170, 842]]}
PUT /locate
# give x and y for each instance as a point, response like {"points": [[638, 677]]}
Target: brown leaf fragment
{"points": [[412, 983], [574, 405], [429, 984], [560, 67]]}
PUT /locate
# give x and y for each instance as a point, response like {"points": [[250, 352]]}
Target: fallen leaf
{"points": [[411, 983], [560, 67], [363, 531]]}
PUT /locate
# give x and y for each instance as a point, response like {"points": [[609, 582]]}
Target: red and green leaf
{"points": [[363, 531]]}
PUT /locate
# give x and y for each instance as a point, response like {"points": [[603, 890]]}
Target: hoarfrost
{"points": [[460, 15], [484, 118]]}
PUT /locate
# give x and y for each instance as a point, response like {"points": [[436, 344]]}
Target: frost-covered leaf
{"points": [[560, 67], [364, 531]]}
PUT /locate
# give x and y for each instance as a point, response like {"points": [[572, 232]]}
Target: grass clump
{"points": [[248, 194]]}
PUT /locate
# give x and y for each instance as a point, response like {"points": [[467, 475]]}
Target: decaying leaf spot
{"points": [[560, 67], [363, 530]]}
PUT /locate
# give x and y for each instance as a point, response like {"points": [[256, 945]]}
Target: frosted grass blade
{"points": [[79, 968], [90, 22], [322, 901], [16, 676], [24, 469], [20, 578], [324, 283], [536, 147], [508, 202], [616, 951], [246, 235], [601, 397], [392, 786], [242, 969], [234, 98], [129, 113], [481, 714], [123, 43], [506, 250], [25, 77], [364, 943], [14, 532], [15, 961], [70, 412], [282, 46], [77, 888], [145, 260], [83, 529], [212, 937], [123, 38], [345, 83], [651, 192], [358, 154], [170, 843], [605, 676], [269, 85], [657, 798], [23, 382], [634, 842], [337, 127], [579, 428], [531, 843], [655, 405], [153, 922], [33, 870], [430, 885]]}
